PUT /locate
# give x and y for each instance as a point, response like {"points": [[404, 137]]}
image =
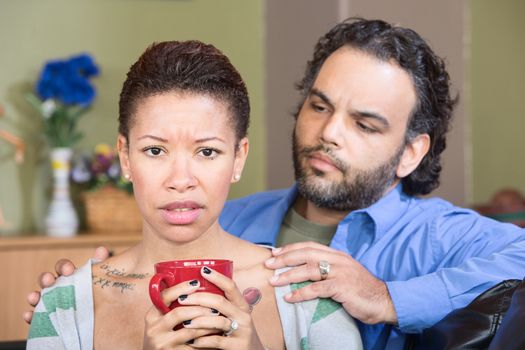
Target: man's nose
{"points": [[333, 130]]}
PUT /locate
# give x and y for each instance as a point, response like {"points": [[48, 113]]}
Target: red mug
{"points": [[170, 273]]}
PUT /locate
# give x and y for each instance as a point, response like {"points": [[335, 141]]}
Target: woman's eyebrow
{"points": [[211, 138], [201, 140], [153, 137]]}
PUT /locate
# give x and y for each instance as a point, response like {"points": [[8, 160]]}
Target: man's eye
{"points": [[365, 128], [153, 151], [317, 107]]}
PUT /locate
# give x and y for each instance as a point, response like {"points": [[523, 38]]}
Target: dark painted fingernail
{"points": [[187, 322], [206, 270], [194, 283], [183, 297], [214, 311], [190, 341]]}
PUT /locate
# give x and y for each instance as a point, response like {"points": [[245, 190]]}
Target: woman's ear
{"points": [[412, 155], [240, 159], [123, 155]]}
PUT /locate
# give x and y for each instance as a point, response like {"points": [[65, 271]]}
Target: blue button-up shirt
{"points": [[433, 256]]}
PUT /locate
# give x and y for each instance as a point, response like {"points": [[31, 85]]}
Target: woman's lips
{"points": [[181, 213]]}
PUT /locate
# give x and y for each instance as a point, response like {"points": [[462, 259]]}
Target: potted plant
{"points": [[63, 93], [110, 206]]}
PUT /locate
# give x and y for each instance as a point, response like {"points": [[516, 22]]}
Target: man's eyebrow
{"points": [[360, 114], [321, 95], [370, 115]]}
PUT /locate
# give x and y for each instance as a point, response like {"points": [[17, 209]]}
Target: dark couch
{"points": [[494, 320]]}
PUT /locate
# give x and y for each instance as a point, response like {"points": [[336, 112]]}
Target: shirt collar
{"points": [[270, 228], [384, 213], [387, 211]]}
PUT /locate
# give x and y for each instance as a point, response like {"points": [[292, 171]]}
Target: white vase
{"points": [[61, 219]]}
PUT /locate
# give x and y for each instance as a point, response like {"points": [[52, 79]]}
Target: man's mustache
{"points": [[326, 152]]}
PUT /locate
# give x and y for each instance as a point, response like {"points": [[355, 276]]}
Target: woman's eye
{"points": [[208, 152], [153, 151]]}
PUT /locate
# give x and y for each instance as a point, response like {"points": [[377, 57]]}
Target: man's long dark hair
{"points": [[433, 111]]}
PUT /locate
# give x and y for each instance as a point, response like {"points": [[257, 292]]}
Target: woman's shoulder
{"points": [[248, 259], [251, 272], [250, 254], [253, 282]]}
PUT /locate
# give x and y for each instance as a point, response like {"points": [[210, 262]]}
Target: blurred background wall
{"points": [[115, 32], [497, 96], [269, 42]]}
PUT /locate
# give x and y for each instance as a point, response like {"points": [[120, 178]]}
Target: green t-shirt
{"points": [[295, 228]]}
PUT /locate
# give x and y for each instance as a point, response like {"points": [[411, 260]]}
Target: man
{"points": [[369, 133]]}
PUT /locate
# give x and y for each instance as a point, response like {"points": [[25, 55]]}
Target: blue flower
{"points": [[84, 64], [62, 94], [67, 80]]}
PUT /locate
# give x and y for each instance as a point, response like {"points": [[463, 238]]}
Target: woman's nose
{"points": [[180, 178]]}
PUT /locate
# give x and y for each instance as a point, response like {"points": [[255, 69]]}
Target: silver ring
{"points": [[233, 327], [324, 269]]}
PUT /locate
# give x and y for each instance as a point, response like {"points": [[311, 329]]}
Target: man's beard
{"points": [[358, 189]]}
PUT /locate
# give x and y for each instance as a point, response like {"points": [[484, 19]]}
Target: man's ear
{"points": [[412, 155], [240, 159], [123, 155]]}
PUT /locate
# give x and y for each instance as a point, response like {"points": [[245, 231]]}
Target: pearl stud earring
{"points": [[236, 177]]}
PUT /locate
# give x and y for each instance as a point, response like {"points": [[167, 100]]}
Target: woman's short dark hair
{"points": [[184, 67], [433, 111]]}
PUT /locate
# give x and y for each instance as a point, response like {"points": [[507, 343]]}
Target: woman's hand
{"points": [[159, 330], [235, 320]]}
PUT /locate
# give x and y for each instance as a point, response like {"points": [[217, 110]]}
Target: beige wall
{"points": [[291, 35], [289, 44], [497, 75], [115, 32], [276, 38]]}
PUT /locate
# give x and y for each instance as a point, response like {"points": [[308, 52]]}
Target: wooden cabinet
{"points": [[23, 259]]}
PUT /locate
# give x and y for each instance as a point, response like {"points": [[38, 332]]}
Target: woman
{"points": [[183, 119]]}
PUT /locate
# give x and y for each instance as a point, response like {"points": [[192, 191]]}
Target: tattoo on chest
{"points": [[112, 271], [107, 281], [103, 282], [252, 296]]}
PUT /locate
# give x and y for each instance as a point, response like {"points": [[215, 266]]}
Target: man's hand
{"points": [[363, 296], [63, 267]]}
